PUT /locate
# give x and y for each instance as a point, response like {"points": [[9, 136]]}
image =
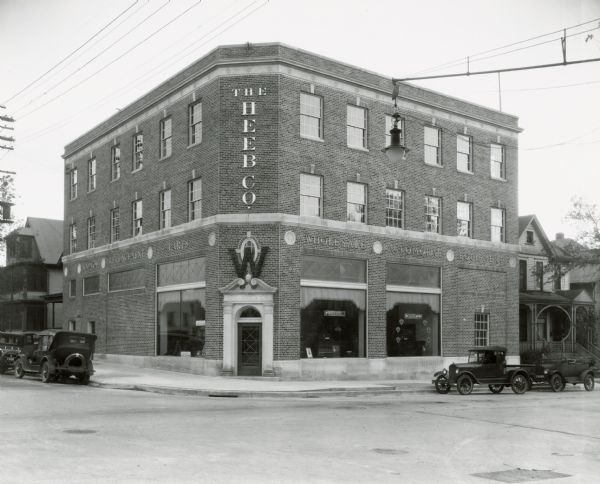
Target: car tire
{"points": [[441, 385], [19, 371], [557, 383], [588, 382], [496, 388], [519, 384], [464, 384], [3, 367], [45, 372]]}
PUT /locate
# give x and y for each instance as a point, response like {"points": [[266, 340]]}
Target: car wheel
{"points": [[557, 383], [84, 379], [46, 377], [441, 385], [19, 371], [3, 367], [519, 384], [496, 388], [588, 382], [464, 384]]}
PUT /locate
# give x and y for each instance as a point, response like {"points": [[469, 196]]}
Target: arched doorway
{"points": [[556, 321], [249, 326]]}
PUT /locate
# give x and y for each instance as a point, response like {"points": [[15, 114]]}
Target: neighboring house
{"points": [[552, 314], [31, 283]]}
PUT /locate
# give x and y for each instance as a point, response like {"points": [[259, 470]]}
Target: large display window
{"points": [[333, 307], [413, 310]]}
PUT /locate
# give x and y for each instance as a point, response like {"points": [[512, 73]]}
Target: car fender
{"points": [[518, 371], [585, 372], [466, 372], [435, 375], [51, 364]]}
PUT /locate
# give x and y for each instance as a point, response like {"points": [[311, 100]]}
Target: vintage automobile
{"points": [[11, 344], [58, 354], [560, 372], [486, 366]]}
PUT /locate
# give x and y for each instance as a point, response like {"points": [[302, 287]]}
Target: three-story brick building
{"points": [[243, 215]]}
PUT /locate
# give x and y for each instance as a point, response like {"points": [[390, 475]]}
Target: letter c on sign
{"points": [[249, 198], [248, 184]]}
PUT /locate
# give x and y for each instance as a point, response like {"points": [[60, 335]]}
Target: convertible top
{"points": [[488, 348]]}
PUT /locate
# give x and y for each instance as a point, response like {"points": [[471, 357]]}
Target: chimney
{"points": [[560, 235]]}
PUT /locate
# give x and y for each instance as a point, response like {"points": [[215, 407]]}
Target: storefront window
{"points": [[413, 310], [181, 320], [333, 307]]}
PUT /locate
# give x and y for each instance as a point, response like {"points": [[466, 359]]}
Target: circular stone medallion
{"points": [[377, 247], [149, 253], [212, 239], [450, 255], [289, 237]]}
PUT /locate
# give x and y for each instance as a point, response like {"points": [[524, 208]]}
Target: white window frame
{"points": [[306, 193], [115, 163], [434, 131], [137, 218], [502, 231], [194, 199], [307, 112], [497, 166], [91, 232], [166, 137], [165, 209], [461, 141], [354, 126], [355, 202], [91, 175], [194, 125], [460, 217], [73, 238], [481, 329], [391, 211], [115, 225], [73, 184], [429, 213], [137, 159]]}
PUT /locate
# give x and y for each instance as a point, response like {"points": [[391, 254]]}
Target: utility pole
{"points": [[6, 140]]}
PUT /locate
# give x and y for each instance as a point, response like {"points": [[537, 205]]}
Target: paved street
{"points": [[68, 433]]}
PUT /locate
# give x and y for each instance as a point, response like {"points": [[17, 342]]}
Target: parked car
{"points": [[11, 345], [58, 354], [486, 366], [560, 372]]}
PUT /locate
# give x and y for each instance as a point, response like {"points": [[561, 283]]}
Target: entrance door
{"points": [[249, 349]]}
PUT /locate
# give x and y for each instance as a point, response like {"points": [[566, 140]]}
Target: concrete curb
{"points": [[334, 392]]}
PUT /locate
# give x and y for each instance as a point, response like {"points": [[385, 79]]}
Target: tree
{"points": [[7, 194], [586, 217]]}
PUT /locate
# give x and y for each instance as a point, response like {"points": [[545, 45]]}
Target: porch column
{"points": [[228, 343]]}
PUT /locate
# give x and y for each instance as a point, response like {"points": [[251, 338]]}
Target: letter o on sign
{"points": [[249, 198]]}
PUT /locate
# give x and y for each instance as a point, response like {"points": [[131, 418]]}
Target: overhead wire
{"points": [[72, 53]]}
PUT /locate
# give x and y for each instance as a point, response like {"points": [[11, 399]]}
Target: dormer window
{"points": [[529, 237]]}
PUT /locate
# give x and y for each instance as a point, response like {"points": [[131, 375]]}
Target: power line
{"points": [[113, 61], [99, 54], [69, 55]]}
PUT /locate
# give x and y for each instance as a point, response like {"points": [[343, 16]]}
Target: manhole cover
{"points": [[521, 475], [390, 451], [80, 431]]}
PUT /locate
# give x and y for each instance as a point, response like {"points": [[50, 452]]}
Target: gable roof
{"points": [[527, 220], [48, 234]]}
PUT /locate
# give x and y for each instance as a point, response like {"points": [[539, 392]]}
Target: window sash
{"points": [[138, 151], [497, 161], [356, 129], [432, 214], [497, 224], [73, 238], [91, 175], [311, 113], [165, 209], [137, 217], [394, 210], [115, 225], [310, 195], [91, 226], [195, 199], [165, 137], [431, 145], [464, 213], [195, 123], [73, 184], [115, 162], [481, 329], [463, 153]]}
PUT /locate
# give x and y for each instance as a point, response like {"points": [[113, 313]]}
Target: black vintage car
{"points": [[560, 372], [11, 345], [58, 354], [486, 366]]}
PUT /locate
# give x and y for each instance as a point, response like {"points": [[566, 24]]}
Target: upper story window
{"points": [[165, 209], [165, 137], [73, 184], [389, 124], [115, 164], [91, 174], [522, 275], [432, 146], [482, 329], [137, 218], [464, 151], [356, 202], [73, 238], [72, 287], [539, 275], [91, 232], [497, 225], [356, 128], [498, 165], [464, 219], [194, 123], [529, 237], [311, 115], [137, 160], [433, 213], [195, 199], [115, 225], [394, 208], [311, 193]]}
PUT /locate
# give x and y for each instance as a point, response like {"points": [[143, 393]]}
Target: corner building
{"points": [[243, 219]]}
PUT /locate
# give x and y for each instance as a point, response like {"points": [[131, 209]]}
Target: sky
{"points": [[67, 65]]}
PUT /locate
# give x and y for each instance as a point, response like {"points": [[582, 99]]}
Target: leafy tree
{"points": [[7, 194], [586, 217]]}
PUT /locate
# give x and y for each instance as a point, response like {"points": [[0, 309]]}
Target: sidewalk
{"points": [[125, 377]]}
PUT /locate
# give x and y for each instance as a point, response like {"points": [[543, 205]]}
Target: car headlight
{"points": [[545, 371], [445, 372]]}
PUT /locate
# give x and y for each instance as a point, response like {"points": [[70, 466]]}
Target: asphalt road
{"points": [[70, 434]]}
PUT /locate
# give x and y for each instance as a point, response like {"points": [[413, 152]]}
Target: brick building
{"points": [[242, 218]]}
